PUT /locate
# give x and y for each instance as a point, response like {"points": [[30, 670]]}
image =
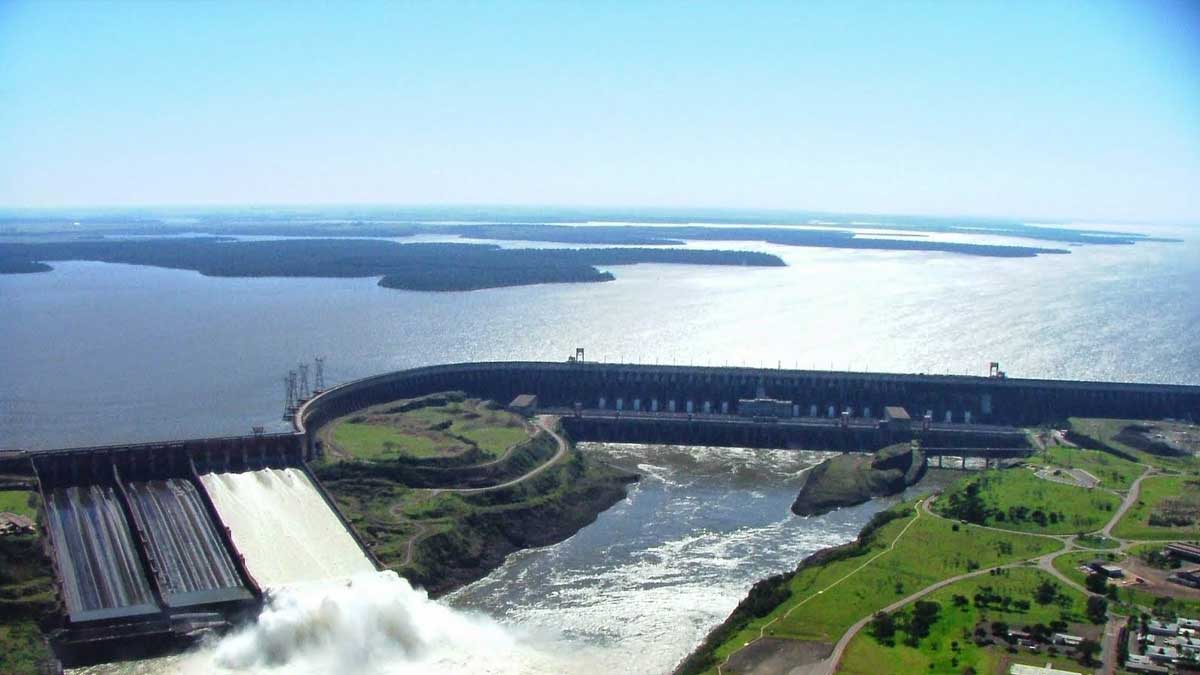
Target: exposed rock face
{"points": [[850, 479]]}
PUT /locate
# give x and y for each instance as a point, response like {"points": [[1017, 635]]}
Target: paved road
{"points": [[830, 664], [1113, 628], [543, 422], [1109, 643], [1130, 498]]}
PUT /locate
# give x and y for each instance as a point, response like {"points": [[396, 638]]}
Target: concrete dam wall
{"points": [[816, 394]]}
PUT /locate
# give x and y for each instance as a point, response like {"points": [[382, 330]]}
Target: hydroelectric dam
{"points": [[152, 543]]}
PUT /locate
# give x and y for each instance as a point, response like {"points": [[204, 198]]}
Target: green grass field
{"points": [[451, 428], [950, 645], [930, 550], [1106, 430], [1114, 473], [375, 442], [1156, 491], [1068, 509], [18, 502]]}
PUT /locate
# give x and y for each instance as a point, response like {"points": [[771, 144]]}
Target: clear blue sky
{"points": [[1041, 108]]}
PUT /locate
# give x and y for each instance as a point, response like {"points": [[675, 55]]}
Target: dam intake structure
{"points": [[286, 531]]}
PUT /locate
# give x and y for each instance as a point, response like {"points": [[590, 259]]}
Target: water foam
{"points": [[369, 623]]}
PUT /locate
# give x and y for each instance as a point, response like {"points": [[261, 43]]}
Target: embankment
{"points": [[769, 593]]}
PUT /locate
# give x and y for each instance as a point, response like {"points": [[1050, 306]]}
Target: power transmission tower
{"points": [[319, 374], [303, 380], [290, 388]]}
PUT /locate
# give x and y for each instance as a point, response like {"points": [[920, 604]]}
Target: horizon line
{"points": [[201, 206]]}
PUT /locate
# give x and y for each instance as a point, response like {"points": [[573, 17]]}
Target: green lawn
{"points": [[371, 441], [1157, 492], [18, 502], [1114, 473], [437, 428], [950, 645], [929, 551], [1067, 508]]}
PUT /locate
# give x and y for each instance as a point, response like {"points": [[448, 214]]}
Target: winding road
{"points": [[545, 423]]}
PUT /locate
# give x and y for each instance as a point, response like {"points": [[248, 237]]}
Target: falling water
{"points": [[283, 527]]}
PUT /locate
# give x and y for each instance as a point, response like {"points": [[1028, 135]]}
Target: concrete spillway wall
{"points": [[98, 561]]}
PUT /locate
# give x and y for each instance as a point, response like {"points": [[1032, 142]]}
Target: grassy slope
{"points": [[931, 550], [1114, 472], [1136, 522], [26, 595], [1083, 510], [935, 653], [1104, 431]]}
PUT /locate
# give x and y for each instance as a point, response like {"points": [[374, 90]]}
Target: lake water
{"points": [[95, 353]]}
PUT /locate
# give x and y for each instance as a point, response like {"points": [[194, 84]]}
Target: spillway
{"points": [[188, 558], [96, 556], [283, 527]]}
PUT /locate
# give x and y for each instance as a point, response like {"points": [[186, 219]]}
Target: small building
{"points": [[1162, 654], [1183, 551], [1107, 569], [1021, 669], [1155, 627], [1187, 578], [1185, 622], [12, 523], [1066, 639], [1143, 664], [525, 404]]}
